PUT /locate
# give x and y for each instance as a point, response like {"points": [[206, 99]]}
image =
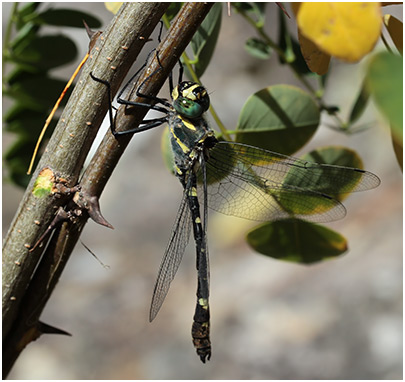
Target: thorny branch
{"points": [[25, 293]]}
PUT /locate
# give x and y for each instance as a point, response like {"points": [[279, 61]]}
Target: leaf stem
{"points": [[260, 30]]}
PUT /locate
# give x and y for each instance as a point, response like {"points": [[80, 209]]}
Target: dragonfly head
{"points": [[190, 99]]}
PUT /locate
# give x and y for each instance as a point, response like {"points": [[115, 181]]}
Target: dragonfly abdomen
{"points": [[201, 325], [200, 330]]}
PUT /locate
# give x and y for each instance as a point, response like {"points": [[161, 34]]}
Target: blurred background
{"points": [[341, 319]]}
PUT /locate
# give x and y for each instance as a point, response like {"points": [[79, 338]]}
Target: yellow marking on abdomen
{"points": [[203, 302], [193, 191]]}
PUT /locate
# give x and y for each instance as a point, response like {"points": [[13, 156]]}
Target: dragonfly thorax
{"points": [[190, 99]]}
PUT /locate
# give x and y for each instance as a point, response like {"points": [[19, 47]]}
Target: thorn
{"points": [[34, 332], [59, 218], [95, 212], [48, 329], [93, 35], [89, 31], [91, 204]]}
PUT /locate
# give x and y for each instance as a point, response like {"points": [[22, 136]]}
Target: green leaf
{"points": [[360, 104], [25, 13], [28, 8], [279, 118], [24, 36], [204, 41], [28, 123], [384, 79], [333, 155], [296, 241], [27, 92], [19, 74], [67, 17], [258, 48], [336, 181], [285, 39], [17, 158], [46, 52], [255, 10], [291, 48], [15, 112]]}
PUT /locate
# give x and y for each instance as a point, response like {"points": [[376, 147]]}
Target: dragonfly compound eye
{"points": [[188, 108], [190, 99]]}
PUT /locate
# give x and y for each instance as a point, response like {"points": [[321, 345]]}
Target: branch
{"points": [[65, 154]]}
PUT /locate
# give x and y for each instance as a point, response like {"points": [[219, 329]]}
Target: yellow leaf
{"points": [[113, 6], [316, 60], [345, 30], [394, 27]]}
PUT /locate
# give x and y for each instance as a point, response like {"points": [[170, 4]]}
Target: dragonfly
{"points": [[235, 179]]}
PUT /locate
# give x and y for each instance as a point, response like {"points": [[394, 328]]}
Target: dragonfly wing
{"points": [[258, 184], [172, 257]]}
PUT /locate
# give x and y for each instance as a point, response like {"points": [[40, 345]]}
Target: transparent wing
{"points": [[257, 184], [172, 257]]}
